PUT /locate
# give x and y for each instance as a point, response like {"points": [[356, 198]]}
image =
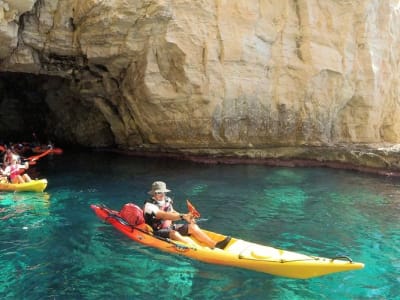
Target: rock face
{"points": [[209, 76]]}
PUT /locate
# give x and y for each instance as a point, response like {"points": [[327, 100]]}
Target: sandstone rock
{"points": [[10, 11], [214, 74]]}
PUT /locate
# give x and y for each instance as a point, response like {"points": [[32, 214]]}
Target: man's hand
{"points": [[189, 218]]}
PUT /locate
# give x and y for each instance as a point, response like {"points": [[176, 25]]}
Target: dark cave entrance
{"points": [[43, 108], [23, 107]]}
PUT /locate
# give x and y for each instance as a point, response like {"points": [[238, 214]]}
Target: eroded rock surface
{"points": [[238, 77]]}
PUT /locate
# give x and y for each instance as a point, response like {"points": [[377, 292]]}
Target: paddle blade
{"points": [[192, 209]]}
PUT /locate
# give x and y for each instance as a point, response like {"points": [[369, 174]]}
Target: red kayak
{"points": [[42, 149]]}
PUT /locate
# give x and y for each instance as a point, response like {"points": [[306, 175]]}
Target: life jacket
{"points": [[132, 213], [14, 171], [151, 219]]}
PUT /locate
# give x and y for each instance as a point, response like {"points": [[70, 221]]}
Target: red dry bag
{"points": [[132, 213]]}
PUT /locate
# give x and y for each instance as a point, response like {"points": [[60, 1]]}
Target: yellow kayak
{"points": [[37, 185], [238, 253]]}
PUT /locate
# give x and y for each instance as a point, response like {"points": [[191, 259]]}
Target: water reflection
{"points": [[16, 204]]}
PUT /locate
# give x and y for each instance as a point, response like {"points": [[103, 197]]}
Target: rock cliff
{"points": [[304, 79]]}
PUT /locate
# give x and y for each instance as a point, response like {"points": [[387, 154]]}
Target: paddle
{"points": [[192, 209], [32, 159], [124, 222], [195, 213]]}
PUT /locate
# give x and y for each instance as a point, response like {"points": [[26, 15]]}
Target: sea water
{"points": [[52, 246]]}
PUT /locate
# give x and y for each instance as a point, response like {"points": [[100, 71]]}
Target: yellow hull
{"points": [[37, 185], [252, 256]]}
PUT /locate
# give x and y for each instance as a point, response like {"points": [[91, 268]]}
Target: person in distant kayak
{"points": [[160, 215], [9, 156], [13, 172]]}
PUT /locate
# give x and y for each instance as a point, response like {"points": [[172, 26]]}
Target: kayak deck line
{"points": [[282, 261]]}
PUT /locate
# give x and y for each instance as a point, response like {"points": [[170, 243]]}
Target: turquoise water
{"points": [[52, 246]]}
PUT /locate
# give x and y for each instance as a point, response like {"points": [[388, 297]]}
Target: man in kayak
{"points": [[159, 214]]}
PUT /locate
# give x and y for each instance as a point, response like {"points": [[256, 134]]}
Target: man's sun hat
{"points": [[158, 186]]}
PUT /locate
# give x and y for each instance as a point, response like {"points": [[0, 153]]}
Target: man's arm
{"points": [[173, 216]]}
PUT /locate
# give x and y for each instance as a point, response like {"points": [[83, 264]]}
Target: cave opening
{"points": [[45, 108], [24, 112]]}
